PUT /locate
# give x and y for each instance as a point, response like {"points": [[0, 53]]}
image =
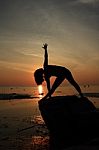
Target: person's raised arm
{"points": [[45, 55]]}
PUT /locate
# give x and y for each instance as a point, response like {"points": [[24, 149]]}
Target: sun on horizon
{"points": [[40, 90]]}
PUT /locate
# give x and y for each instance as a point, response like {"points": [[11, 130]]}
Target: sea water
{"points": [[90, 91], [19, 114]]}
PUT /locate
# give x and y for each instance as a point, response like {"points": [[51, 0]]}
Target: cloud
{"points": [[15, 66], [88, 1], [26, 53]]}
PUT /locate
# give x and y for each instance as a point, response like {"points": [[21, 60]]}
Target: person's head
{"points": [[38, 75]]}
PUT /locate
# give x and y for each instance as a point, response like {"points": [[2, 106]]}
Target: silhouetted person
{"points": [[61, 73]]}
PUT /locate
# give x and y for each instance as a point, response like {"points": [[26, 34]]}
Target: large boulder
{"points": [[71, 120]]}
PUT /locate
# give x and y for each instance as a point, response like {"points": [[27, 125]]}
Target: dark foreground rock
{"points": [[70, 120]]}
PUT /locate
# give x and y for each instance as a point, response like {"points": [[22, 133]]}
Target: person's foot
{"points": [[81, 95]]}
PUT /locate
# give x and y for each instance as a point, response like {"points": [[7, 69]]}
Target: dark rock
{"points": [[71, 120]]}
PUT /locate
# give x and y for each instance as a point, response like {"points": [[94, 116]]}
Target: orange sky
{"points": [[13, 77], [71, 28]]}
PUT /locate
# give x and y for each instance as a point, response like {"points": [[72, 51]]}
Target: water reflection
{"points": [[40, 142], [40, 91]]}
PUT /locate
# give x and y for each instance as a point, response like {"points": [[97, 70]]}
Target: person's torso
{"points": [[53, 70]]}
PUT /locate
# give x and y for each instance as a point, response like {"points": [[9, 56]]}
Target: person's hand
{"points": [[45, 46], [42, 100]]}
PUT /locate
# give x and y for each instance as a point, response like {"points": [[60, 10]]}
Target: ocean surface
{"points": [[21, 124], [90, 91]]}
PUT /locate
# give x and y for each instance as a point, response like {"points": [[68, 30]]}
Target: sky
{"points": [[70, 27]]}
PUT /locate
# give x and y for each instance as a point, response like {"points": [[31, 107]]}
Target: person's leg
{"points": [[70, 78], [56, 83]]}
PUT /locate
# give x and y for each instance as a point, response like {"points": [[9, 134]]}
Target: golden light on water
{"points": [[40, 89]]}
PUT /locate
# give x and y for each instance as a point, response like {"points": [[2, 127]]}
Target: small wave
{"points": [[15, 96], [91, 95]]}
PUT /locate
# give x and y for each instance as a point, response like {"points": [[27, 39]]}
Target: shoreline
{"points": [[8, 96]]}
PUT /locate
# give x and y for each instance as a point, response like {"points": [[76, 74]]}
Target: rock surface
{"points": [[71, 120]]}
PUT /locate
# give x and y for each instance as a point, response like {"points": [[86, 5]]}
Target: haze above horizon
{"points": [[70, 27]]}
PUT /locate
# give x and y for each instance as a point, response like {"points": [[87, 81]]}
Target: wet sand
{"points": [[21, 126]]}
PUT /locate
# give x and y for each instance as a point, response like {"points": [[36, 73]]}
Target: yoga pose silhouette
{"points": [[61, 73]]}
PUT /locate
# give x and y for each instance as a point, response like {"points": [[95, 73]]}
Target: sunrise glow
{"points": [[74, 44], [40, 89]]}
